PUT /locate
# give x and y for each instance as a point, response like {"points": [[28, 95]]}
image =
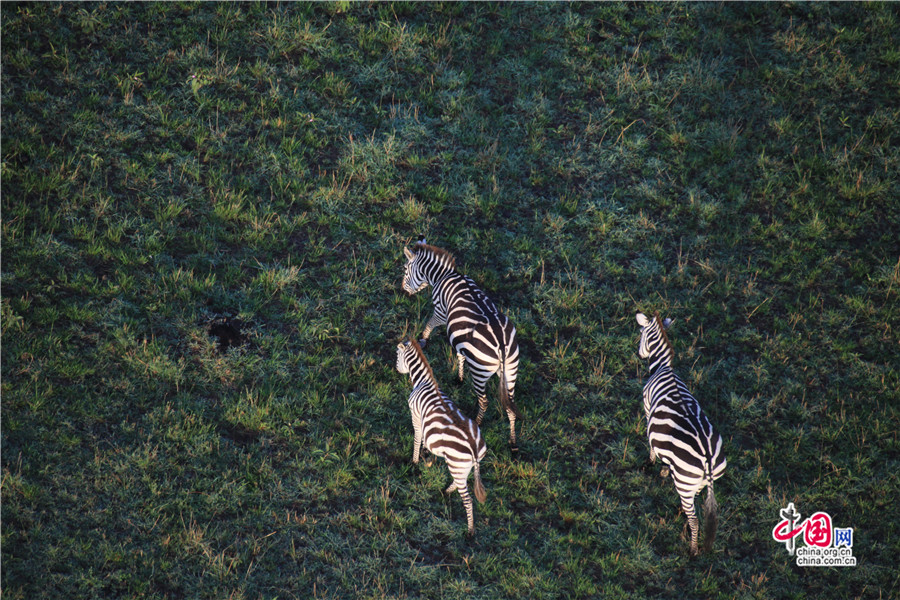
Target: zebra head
{"points": [[414, 280], [404, 351], [654, 343]]}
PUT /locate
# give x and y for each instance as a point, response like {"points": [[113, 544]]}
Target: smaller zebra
{"points": [[443, 429], [678, 431]]}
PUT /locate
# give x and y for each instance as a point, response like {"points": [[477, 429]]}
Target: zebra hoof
{"points": [[422, 342], [514, 448]]}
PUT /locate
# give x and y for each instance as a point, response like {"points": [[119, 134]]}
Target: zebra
{"points": [[678, 431], [443, 429], [478, 331]]}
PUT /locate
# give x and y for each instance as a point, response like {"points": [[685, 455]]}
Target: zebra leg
{"points": [[461, 359], [687, 504], [482, 407], [467, 502], [417, 441], [433, 322], [463, 490], [460, 474], [665, 470], [478, 382], [513, 446]]}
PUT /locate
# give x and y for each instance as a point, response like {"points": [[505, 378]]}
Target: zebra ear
{"points": [[667, 323], [642, 319], [408, 253]]}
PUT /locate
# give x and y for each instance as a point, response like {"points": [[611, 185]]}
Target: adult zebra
{"points": [[678, 430], [443, 429], [478, 331]]}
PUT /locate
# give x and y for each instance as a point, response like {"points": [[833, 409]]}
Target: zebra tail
{"points": [[480, 494], [505, 401], [710, 518]]}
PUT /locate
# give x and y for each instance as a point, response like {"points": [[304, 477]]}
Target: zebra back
{"points": [[478, 329], [680, 432]]}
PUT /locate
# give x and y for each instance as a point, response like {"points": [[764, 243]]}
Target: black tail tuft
{"points": [[480, 494], [710, 518], [505, 401]]}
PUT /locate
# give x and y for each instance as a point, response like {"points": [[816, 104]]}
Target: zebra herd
{"points": [[678, 431]]}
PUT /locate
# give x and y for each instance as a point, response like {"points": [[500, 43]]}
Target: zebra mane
{"points": [[438, 252], [418, 350], [454, 414], [665, 337]]}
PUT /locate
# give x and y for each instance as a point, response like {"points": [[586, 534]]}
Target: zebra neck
{"points": [[440, 275], [660, 362], [419, 376]]}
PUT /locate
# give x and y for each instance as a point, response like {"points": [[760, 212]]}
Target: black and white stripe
{"points": [[678, 430], [441, 427], [478, 331]]}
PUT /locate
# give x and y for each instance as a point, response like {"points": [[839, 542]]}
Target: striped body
{"points": [[479, 333], [679, 432], [442, 428]]}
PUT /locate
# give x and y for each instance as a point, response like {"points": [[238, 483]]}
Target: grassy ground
{"points": [[734, 167]]}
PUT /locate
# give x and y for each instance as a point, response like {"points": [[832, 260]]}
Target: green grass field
{"points": [[734, 167]]}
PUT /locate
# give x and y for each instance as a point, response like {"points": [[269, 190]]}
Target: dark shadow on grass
{"points": [[228, 331]]}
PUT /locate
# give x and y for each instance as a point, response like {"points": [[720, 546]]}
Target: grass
{"points": [[166, 165]]}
